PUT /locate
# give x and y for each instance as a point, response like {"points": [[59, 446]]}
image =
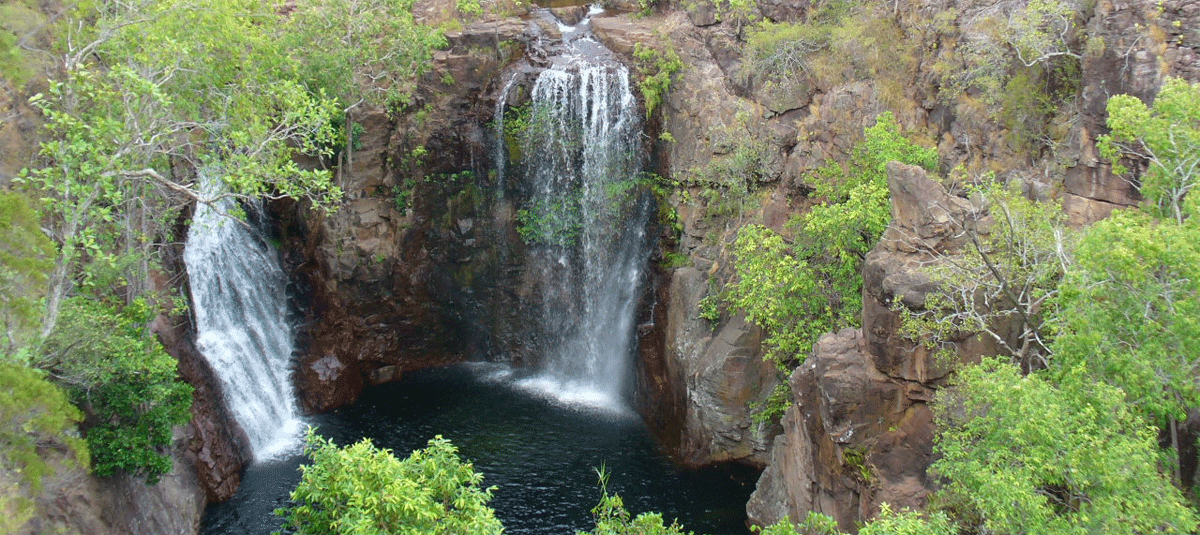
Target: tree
{"points": [[1004, 281], [35, 417], [1021, 455], [25, 257], [1166, 135], [153, 91], [797, 290], [362, 489], [108, 361], [1131, 310], [1131, 313]]}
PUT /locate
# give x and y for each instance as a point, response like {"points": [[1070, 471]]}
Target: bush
{"points": [[33, 414], [362, 489], [112, 366]]}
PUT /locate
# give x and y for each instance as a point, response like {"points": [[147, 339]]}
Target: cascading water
{"points": [[587, 215], [240, 305]]}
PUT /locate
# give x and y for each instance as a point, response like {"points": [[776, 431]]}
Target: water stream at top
{"points": [[240, 304]]}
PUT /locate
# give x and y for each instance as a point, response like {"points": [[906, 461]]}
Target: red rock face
{"points": [[216, 446]]}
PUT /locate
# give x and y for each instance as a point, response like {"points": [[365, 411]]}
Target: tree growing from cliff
{"points": [[1166, 135], [108, 361], [798, 289], [1004, 279], [1130, 311], [362, 489]]}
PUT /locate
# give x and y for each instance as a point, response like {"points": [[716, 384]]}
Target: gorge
{"points": [[529, 229]]}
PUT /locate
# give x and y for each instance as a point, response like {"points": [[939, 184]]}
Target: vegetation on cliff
{"points": [[140, 98]]}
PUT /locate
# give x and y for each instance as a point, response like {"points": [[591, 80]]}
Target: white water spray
{"points": [[583, 163], [240, 306]]}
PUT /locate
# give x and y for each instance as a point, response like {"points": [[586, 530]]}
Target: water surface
{"points": [[541, 456]]}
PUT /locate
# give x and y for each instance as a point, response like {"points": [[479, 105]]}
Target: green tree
{"points": [[152, 91], [110, 363], [1005, 279], [362, 489], [1166, 135], [1021, 455], [1131, 313], [25, 257], [35, 418], [797, 290]]}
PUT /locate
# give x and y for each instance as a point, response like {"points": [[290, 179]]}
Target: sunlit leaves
{"points": [[1167, 134], [364, 490], [1024, 456], [1131, 311], [798, 289]]}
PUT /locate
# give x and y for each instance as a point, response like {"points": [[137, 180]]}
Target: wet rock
{"points": [[218, 449]]}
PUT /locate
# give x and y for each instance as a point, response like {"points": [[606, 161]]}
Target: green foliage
{"points": [[556, 221], [1024, 456], [362, 489], [1004, 281], [1167, 135], [25, 255], [672, 260], [797, 290], [469, 8], [612, 518], [887, 522], [1038, 33], [1035, 104], [710, 308], [19, 20], [402, 193], [657, 67], [1131, 311], [361, 49], [111, 364], [908, 522], [34, 414]]}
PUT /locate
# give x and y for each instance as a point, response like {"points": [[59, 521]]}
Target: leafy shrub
{"points": [[362, 489], [612, 518], [657, 67], [110, 364], [33, 414], [1024, 455]]}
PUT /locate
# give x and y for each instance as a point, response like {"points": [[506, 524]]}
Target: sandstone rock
{"points": [[73, 501], [218, 449], [926, 222], [723, 374]]}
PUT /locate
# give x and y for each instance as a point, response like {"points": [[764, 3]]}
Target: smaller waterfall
{"points": [[240, 305]]}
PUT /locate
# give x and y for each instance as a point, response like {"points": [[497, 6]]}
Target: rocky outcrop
{"points": [[860, 432], [723, 378], [215, 447], [74, 502], [396, 278]]}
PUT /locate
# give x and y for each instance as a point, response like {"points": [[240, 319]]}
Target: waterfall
{"points": [[586, 218], [240, 306]]}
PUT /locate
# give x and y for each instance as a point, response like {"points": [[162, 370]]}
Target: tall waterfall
{"points": [[240, 306], [587, 216]]}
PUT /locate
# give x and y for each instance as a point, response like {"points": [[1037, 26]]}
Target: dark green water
{"points": [[540, 456]]}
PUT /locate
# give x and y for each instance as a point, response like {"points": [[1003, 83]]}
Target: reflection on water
{"points": [[540, 456]]}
